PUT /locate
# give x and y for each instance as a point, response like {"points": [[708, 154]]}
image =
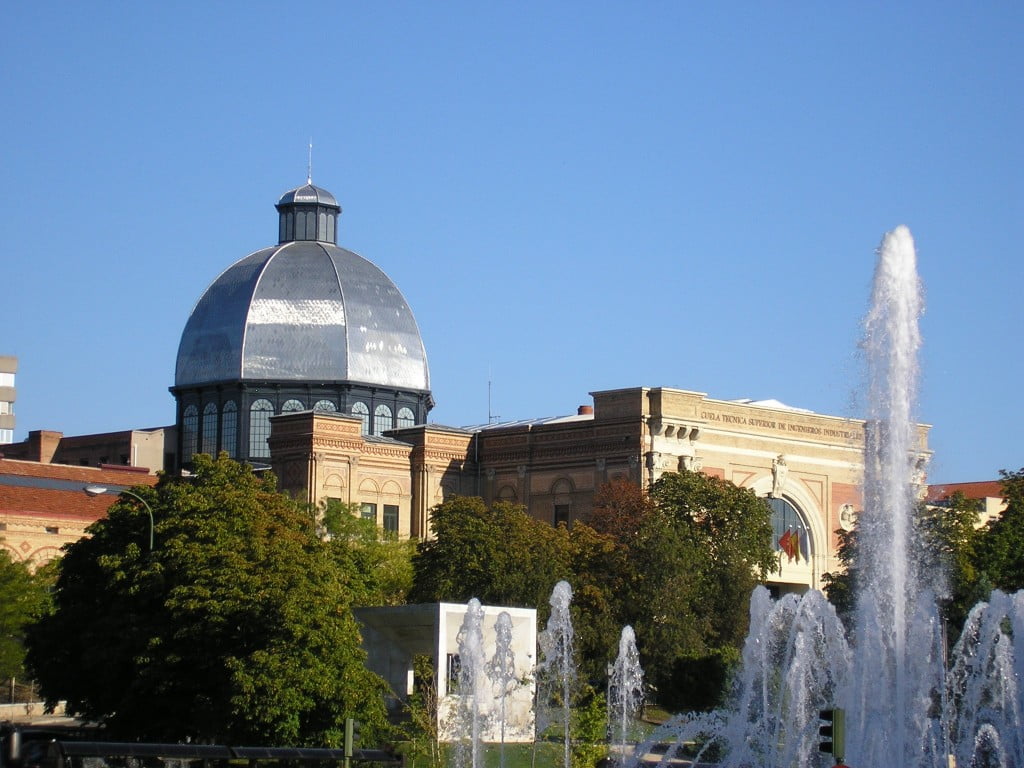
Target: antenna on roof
{"points": [[491, 417], [309, 166]]}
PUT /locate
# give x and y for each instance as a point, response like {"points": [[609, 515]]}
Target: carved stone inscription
{"points": [[775, 423]]}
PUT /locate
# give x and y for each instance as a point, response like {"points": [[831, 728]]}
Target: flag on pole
{"points": [[789, 542]]}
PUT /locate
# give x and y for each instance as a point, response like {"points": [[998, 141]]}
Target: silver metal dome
{"points": [[309, 193], [303, 311]]}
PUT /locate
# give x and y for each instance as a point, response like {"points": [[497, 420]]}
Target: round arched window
{"points": [[359, 409], [325, 405], [290, 406], [382, 420], [406, 418], [259, 428], [789, 531]]}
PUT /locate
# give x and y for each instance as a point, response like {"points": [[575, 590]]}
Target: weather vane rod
{"points": [[309, 166]]}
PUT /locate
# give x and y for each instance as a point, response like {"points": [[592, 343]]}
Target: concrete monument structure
{"points": [[393, 636]]}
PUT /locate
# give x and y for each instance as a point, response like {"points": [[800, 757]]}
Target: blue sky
{"points": [[572, 196]]}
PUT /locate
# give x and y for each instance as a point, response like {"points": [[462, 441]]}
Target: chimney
{"points": [[43, 444], [585, 410]]}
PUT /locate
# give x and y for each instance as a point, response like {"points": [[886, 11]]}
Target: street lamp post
{"points": [[99, 490]]}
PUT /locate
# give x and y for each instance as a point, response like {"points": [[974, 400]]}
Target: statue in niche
{"points": [[779, 472], [919, 478], [847, 517]]}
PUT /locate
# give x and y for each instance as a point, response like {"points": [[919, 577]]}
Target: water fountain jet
{"points": [[888, 672], [625, 691]]}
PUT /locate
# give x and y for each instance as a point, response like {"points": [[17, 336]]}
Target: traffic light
{"points": [[832, 732], [351, 736]]}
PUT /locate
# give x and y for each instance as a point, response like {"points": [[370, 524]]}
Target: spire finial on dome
{"points": [[309, 166]]}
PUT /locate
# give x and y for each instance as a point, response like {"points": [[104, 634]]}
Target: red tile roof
{"points": [[24, 491], [978, 490]]}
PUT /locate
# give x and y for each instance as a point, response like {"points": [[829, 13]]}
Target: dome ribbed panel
{"points": [[303, 311], [384, 343], [211, 344], [296, 324]]}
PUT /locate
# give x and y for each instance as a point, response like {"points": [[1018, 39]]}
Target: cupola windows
{"points": [[308, 213], [314, 223]]}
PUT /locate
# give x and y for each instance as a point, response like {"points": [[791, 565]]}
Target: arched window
{"points": [[229, 428], [382, 420], [325, 405], [561, 492], [789, 531], [189, 433], [406, 418], [360, 410], [209, 441], [290, 406], [259, 428]]}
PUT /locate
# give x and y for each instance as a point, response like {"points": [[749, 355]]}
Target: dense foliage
{"points": [[677, 564], [235, 628], [1001, 546], [972, 560], [696, 560], [376, 564], [499, 555], [24, 597]]}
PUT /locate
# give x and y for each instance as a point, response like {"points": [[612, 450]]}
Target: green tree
{"points": [[235, 628], [378, 563], [589, 729], [24, 598], [947, 532], [1001, 544], [421, 737], [945, 536], [840, 586], [498, 554], [695, 562], [596, 565]]}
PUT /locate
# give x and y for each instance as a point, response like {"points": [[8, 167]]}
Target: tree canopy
{"points": [[678, 564], [972, 560], [377, 564], [24, 597], [235, 628], [1001, 545], [696, 560], [498, 554]]}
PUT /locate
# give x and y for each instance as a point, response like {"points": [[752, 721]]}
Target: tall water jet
{"points": [[625, 691], [891, 602], [556, 668], [502, 672], [902, 708], [472, 676]]}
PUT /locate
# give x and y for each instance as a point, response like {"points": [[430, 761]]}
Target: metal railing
{"points": [[26, 752]]}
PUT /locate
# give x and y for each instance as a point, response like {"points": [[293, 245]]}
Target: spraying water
{"points": [[502, 672], [625, 691], [472, 693], [902, 708], [556, 668], [890, 596]]}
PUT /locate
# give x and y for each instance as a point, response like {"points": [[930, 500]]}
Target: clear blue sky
{"points": [[572, 196]]}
